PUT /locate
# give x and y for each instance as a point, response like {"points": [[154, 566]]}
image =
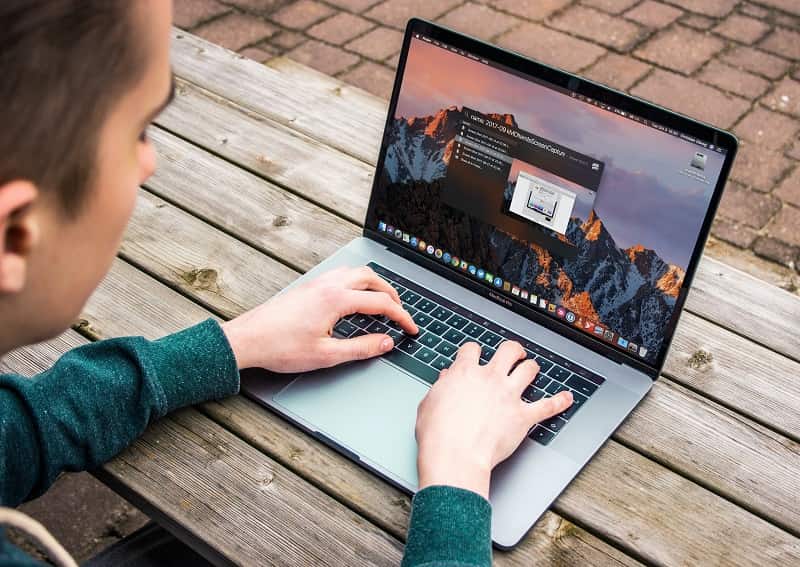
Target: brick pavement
{"points": [[733, 63]]}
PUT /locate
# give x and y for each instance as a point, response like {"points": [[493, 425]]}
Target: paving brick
{"points": [[754, 11], [236, 31], [794, 152], [611, 6], [372, 77], [784, 97], [758, 168], [691, 97], [789, 189], [653, 14], [747, 207], [302, 14], [260, 53], [785, 226], [742, 28], [478, 20], [340, 28], [618, 71], [786, 21], [287, 40], [767, 129], [396, 13], [777, 251], [259, 6], [698, 22], [552, 47], [323, 57], [712, 8], [530, 9], [189, 13], [379, 44], [356, 6], [598, 26], [791, 6], [783, 42], [733, 80], [735, 233], [680, 48], [756, 61]]}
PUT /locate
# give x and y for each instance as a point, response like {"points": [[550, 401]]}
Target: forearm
{"points": [[98, 398], [449, 527]]}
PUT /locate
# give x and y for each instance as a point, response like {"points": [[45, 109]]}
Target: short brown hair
{"points": [[63, 64]]}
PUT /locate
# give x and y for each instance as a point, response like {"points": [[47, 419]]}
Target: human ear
{"points": [[19, 233]]}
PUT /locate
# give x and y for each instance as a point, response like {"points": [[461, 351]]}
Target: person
{"points": [[82, 80]]}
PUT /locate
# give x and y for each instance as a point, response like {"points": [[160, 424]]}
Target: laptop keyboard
{"points": [[444, 326]]}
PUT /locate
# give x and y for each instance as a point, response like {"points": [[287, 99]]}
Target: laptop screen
{"points": [[581, 211]]}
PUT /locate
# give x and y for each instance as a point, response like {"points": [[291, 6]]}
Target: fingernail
{"points": [[387, 344]]}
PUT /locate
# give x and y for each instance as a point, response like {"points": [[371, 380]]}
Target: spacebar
{"points": [[412, 365]]}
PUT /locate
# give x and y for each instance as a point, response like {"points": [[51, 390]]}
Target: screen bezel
{"points": [[559, 78]]}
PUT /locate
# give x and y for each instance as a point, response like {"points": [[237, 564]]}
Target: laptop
{"points": [[515, 201]]}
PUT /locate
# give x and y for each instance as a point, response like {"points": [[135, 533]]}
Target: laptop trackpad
{"points": [[368, 407]]}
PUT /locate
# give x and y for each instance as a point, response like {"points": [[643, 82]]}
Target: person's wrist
{"points": [[236, 342], [459, 471]]}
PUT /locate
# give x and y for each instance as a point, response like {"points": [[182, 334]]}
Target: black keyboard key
{"points": [[412, 365], [358, 333], [554, 423], [441, 363], [554, 388], [397, 336], [532, 394], [437, 328], [580, 385], [361, 320], [410, 310], [400, 289], [409, 297], [446, 349], [541, 381], [473, 330], [544, 364], [377, 327], [425, 355], [489, 338], [559, 373], [441, 313], [421, 319], [425, 305], [409, 345], [577, 403], [541, 435], [429, 340], [487, 353], [344, 328], [457, 321], [454, 336]]}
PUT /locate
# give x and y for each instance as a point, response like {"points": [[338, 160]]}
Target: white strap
{"points": [[39, 535]]}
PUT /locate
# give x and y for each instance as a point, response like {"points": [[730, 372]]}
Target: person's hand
{"points": [[473, 417], [292, 331]]}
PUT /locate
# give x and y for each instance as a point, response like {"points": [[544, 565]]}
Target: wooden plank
{"points": [[619, 492], [719, 289], [198, 61], [757, 484], [275, 151], [772, 402], [192, 256], [32, 359]]}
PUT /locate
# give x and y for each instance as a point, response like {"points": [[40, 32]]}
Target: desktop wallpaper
{"points": [[633, 243]]}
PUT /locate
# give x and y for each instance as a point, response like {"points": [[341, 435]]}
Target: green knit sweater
{"points": [[99, 398]]}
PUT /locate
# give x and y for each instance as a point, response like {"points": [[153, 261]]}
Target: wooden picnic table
{"points": [[264, 170]]}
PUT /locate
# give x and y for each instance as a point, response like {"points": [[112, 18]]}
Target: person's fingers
{"points": [[524, 374], [378, 303], [507, 355], [546, 407], [363, 278], [468, 354], [338, 351]]}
